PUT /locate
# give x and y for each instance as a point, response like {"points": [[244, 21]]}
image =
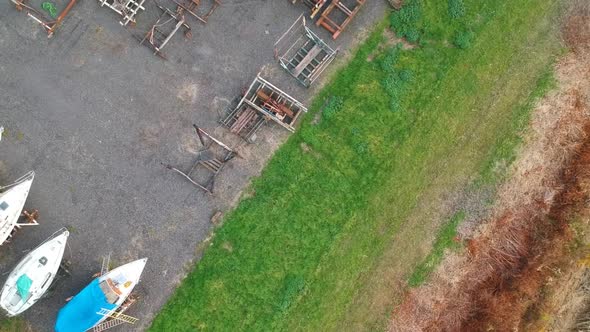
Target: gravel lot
{"points": [[95, 114]]}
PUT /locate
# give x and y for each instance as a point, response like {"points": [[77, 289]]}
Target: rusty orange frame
{"points": [[39, 17]]}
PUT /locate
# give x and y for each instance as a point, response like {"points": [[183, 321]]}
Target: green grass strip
{"points": [[446, 239], [302, 252]]}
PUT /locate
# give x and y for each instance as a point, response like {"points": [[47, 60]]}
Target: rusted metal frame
{"points": [[336, 28], [326, 61], [172, 168], [201, 132], [152, 38], [250, 98], [128, 13], [40, 18], [190, 9], [288, 60], [314, 5], [229, 155], [246, 133]]}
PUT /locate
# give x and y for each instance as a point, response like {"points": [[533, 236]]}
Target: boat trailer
{"points": [[302, 53], [209, 162], [50, 24]]}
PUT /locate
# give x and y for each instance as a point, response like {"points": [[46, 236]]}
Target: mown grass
{"points": [[446, 239], [306, 246]]}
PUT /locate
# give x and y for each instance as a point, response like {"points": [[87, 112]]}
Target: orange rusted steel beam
{"points": [[61, 16]]}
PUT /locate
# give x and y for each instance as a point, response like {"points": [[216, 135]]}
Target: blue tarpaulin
{"points": [[23, 285], [80, 313]]}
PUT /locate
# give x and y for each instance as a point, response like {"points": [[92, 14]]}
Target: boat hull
{"points": [[33, 275], [81, 313], [12, 202]]}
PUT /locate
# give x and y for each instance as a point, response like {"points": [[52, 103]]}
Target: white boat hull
{"points": [[12, 202], [128, 273], [99, 299], [37, 269]]}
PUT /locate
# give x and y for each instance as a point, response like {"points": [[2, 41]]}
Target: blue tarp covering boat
{"points": [[80, 313]]}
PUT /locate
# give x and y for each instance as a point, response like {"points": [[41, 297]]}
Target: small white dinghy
{"points": [[12, 202], [102, 299], [33, 275]]}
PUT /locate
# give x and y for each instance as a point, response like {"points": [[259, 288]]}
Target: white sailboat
{"points": [[12, 201], [98, 306], [33, 275]]}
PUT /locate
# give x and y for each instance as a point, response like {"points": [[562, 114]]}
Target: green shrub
{"points": [[294, 285], [405, 75], [334, 106], [360, 147], [395, 105], [412, 35], [390, 58], [463, 39], [456, 8], [405, 21], [392, 85]]}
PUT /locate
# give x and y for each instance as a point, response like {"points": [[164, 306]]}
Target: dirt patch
{"points": [[188, 93], [499, 282], [390, 40]]}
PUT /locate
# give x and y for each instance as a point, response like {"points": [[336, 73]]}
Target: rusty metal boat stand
{"points": [[211, 159]]}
